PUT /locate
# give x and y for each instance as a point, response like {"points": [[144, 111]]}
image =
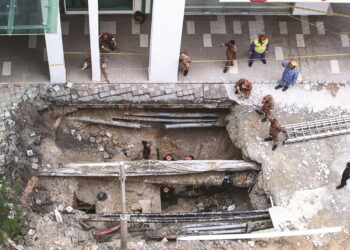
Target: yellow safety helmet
{"points": [[293, 64]]}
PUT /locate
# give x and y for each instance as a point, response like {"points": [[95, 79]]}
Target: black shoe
{"points": [[225, 70], [185, 72], [264, 61], [339, 187], [285, 88], [258, 111], [274, 147], [268, 139], [278, 86], [250, 64], [264, 119]]}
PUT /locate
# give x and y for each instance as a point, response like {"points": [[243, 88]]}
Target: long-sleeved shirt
{"points": [[290, 75]]}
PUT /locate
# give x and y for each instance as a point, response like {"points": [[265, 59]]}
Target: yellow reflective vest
{"points": [[258, 47]]}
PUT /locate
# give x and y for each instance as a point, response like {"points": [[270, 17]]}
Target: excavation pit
{"points": [[80, 151]]}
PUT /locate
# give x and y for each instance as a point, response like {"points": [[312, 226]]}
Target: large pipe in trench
{"points": [[171, 120], [172, 115], [241, 179]]}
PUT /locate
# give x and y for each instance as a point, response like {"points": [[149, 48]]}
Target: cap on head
{"points": [[262, 37], [232, 42], [293, 64], [245, 84]]}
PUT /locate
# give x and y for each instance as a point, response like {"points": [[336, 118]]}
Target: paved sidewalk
{"points": [[23, 58]]}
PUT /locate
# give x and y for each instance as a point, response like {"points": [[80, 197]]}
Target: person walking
{"points": [[258, 48], [231, 54], [267, 106], [289, 76], [275, 129], [345, 176], [185, 60], [244, 88]]}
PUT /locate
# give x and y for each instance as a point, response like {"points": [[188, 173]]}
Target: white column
{"points": [[166, 33], [55, 55], [323, 7], [94, 43]]}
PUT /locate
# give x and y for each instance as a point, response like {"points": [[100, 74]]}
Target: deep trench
{"points": [[73, 135]]}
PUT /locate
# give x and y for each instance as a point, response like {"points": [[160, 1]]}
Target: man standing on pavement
{"points": [[267, 106], [185, 60], [231, 53], [289, 76], [275, 129], [244, 88], [258, 48], [345, 176], [107, 42]]}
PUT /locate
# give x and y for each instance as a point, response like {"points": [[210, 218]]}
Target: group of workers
{"points": [[146, 152], [257, 49]]}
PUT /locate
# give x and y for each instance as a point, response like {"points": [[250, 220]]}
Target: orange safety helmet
{"points": [[262, 37]]}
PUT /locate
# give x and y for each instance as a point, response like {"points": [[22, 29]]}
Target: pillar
{"points": [[94, 43], [166, 33], [322, 7], [55, 54]]}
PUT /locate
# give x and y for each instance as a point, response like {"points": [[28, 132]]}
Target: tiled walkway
{"points": [[24, 59]]}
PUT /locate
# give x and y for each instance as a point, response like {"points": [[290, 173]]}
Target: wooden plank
{"points": [[147, 168], [263, 235]]}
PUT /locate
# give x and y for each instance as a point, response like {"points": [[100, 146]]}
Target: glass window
{"points": [[28, 17], [104, 5]]}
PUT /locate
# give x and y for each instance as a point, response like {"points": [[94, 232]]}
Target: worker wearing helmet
{"points": [[107, 42], [258, 48], [289, 76]]}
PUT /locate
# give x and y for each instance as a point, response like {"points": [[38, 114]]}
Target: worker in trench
{"points": [[244, 88], [189, 158], [168, 157], [146, 152], [267, 107], [275, 130]]}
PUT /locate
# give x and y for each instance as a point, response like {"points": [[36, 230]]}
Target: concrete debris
{"points": [[106, 155], [35, 166], [31, 232], [69, 85], [58, 216], [164, 241], [79, 137], [32, 134], [56, 88], [231, 207], [251, 243], [100, 148], [92, 139], [30, 153], [72, 132], [108, 134], [7, 114], [69, 209], [60, 208]]}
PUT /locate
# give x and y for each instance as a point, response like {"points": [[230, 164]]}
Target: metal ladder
{"points": [[317, 129]]}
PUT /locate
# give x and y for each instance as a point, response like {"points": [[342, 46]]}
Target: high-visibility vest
{"points": [[258, 47]]}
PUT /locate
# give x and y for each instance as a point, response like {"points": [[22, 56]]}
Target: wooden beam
{"points": [[263, 235], [150, 168]]}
